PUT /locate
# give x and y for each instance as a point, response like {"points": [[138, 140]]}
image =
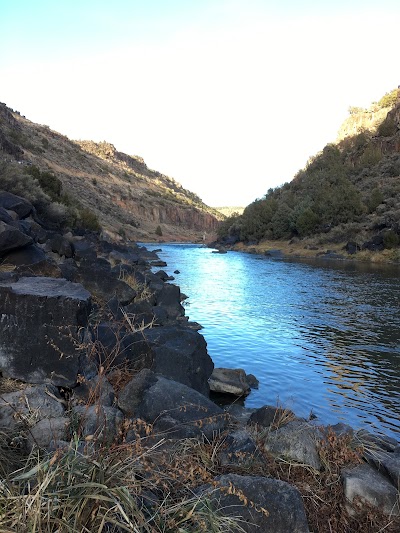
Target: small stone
{"points": [[229, 381]]}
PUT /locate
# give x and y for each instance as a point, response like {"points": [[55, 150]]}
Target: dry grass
{"points": [[309, 248], [144, 293], [11, 385], [297, 249], [6, 267], [323, 493], [131, 487], [143, 482]]}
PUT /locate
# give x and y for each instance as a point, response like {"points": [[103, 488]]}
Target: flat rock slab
{"points": [[39, 323]]}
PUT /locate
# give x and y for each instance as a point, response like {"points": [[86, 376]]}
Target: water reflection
{"points": [[319, 336]]}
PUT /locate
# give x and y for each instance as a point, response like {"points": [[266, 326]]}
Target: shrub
{"points": [[387, 128], [371, 156], [389, 99], [15, 180], [48, 182], [56, 212], [391, 239], [88, 220], [158, 231], [375, 199]]}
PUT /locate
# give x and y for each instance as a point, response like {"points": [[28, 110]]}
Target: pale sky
{"points": [[229, 98]]}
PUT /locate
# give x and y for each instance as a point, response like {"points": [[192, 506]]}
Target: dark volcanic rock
{"points": [[12, 238], [174, 410], [364, 483], [268, 415], [240, 449], [5, 216], [29, 255], [40, 318], [177, 353], [169, 297], [262, 504], [297, 441], [376, 244], [96, 277], [61, 246], [15, 203]]}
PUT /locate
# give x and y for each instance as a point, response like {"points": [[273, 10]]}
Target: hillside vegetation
{"points": [[350, 191], [92, 185], [229, 211]]}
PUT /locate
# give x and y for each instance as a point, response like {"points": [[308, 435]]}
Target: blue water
{"points": [[322, 338]]}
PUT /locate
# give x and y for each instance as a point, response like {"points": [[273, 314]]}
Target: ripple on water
{"points": [[323, 338]]}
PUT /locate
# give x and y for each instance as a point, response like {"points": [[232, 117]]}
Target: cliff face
{"points": [[127, 196]]}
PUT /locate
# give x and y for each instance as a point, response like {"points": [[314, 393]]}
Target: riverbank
{"points": [[105, 416], [309, 249]]}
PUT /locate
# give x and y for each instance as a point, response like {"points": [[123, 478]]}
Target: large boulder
{"points": [[261, 504], [47, 431], [240, 449], [169, 297], [26, 256], [96, 277], [5, 216], [99, 423], [12, 238], [61, 246], [176, 411], [364, 484], [296, 441], [387, 463], [177, 353], [15, 203], [39, 329]]}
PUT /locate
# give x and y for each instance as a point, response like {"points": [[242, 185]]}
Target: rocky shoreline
{"points": [[96, 354]]}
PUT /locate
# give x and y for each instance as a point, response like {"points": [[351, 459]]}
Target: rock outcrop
{"points": [[41, 320]]}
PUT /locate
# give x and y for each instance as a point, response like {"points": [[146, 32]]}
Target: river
{"points": [[323, 338]]}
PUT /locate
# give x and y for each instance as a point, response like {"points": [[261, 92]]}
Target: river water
{"points": [[322, 338]]}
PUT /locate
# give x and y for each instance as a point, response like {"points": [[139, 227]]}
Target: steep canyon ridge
{"points": [[128, 198]]}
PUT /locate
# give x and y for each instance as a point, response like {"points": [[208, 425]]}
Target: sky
{"points": [[229, 97]]}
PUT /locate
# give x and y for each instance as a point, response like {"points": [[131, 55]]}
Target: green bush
{"points": [[307, 221], [391, 239], [158, 231], [389, 99], [48, 182], [88, 220], [371, 156], [375, 199], [13, 179]]}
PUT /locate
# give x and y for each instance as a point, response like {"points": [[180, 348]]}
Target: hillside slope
{"points": [[127, 197], [350, 191]]}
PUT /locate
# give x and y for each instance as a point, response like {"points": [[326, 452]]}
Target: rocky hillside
{"points": [[125, 196], [349, 192]]}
